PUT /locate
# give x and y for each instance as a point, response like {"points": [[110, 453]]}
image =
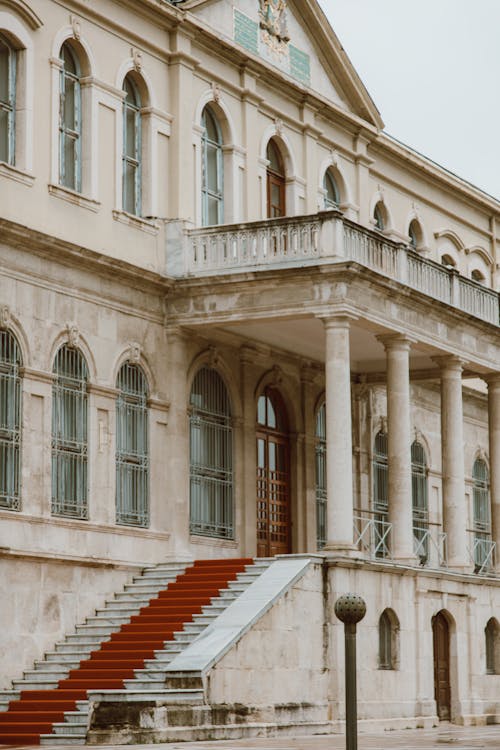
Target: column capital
{"points": [[450, 362], [492, 379], [338, 320], [395, 341]]}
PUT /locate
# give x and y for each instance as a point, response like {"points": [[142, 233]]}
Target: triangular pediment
{"points": [[293, 36]]}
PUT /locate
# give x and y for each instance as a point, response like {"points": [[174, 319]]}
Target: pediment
{"points": [[294, 36]]}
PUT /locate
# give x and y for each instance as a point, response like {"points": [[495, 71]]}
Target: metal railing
{"points": [[372, 534], [482, 553], [429, 545], [328, 237]]}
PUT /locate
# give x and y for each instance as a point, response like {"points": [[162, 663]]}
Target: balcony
{"points": [[326, 237]]}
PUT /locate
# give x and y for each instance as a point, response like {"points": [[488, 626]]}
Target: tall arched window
{"points": [[321, 528], [212, 166], [388, 635], [132, 451], [380, 216], [492, 644], [132, 148], [332, 195], [8, 60], [275, 181], [211, 457], [70, 119], [483, 546], [69, 434], [10, 421], [380, 493], [420, 501]]}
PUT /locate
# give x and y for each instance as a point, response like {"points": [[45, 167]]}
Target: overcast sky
{"points": [[432, 68]]}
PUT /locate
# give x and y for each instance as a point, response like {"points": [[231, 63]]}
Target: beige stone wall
{"points": [[43, 600]]}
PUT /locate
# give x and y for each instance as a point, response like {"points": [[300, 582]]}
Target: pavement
{"points": [[438, 738]]}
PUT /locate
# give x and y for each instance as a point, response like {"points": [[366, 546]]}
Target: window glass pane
{"points": [[213, 209], [130, 133], [129, 200], [69, 179], [69, 60], [4, 135], [271, 414], [212, 177], [332, 194], [4, 74], [274, 157], [70, 121]]}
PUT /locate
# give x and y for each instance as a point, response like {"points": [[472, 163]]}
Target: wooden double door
{"points": [[273, 477], [442, 688]]}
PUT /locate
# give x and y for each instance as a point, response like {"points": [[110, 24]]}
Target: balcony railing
{"points": [[327, 237], [371, 535], [482, 553], [429, 545]]}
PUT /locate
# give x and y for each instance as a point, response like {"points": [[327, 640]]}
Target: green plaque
{"points": [[300, 67], [246, 31]]}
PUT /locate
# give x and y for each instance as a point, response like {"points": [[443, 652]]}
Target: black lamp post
{"points": [[350, 609]]}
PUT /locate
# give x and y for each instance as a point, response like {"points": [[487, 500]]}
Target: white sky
{"points": [[432, 68]]}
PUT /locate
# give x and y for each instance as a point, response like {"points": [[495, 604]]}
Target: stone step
{"points": [[64, 661], [137, 597], [34, 684], [143, 588], [61, 739], [167, 567], [82, 645], [76, 717], [86, 638], [111, 619], [71, 728], [97, 629], [131, 606], [145, 684], [44, 675], [156, 576]]}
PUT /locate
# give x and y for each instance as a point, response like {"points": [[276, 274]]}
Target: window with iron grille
{"points": [[332, 195], [420, 501], [212, 182], [380, 487], [492, 643], [321, 528], [481, 513], [69, 434], [132, 453], [8, 66], [132, 148], [70, 108], [211, 457], [10, 421], [388, 646]]}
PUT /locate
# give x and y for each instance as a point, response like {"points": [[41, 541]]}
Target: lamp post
{"points": [[350, 609]]}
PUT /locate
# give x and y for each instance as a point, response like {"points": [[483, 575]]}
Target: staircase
{"points": [[127, 645]]}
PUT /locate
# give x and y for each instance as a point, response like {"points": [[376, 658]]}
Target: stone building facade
{"points": [[238, 319]]}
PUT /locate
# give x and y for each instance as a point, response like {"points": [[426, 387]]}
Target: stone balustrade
{"points": [[327, 237]]}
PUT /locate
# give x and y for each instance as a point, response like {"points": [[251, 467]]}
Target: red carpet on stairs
{"points": [[116, 659]]}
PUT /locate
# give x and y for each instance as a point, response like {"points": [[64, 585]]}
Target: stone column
{"points": [[494, 446], [338, 435], [452, 457], [399, 456]]}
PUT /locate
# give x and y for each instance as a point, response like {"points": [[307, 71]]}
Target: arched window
{"points": [[10, 421], [388, 637], [483, 546], [492, 643], [8, 69], [211, 457], [420, 502], [447, 260], [132, 148], [415, 234], [321, 528], [379, 216], [477, 275], [70, 118], [275, 181], [69, 434], [332, 195], [212, 166], [132, 451], [380, 493]]}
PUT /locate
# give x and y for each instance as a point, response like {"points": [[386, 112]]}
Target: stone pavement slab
{"points": [[439, 738]]}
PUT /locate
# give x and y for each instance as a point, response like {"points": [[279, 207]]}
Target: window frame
{"points": [[420, 500], [9, 106], [320, 477], [68, 134], [132, 506], [10, 421], [329, 180], [207, 194], [132, 160]]}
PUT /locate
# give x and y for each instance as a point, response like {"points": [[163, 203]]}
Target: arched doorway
{"points": [[275, 181], [273, 476], [442, 690]]}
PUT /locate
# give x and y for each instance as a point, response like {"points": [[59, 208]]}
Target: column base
{"points": [[347, 549]]}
